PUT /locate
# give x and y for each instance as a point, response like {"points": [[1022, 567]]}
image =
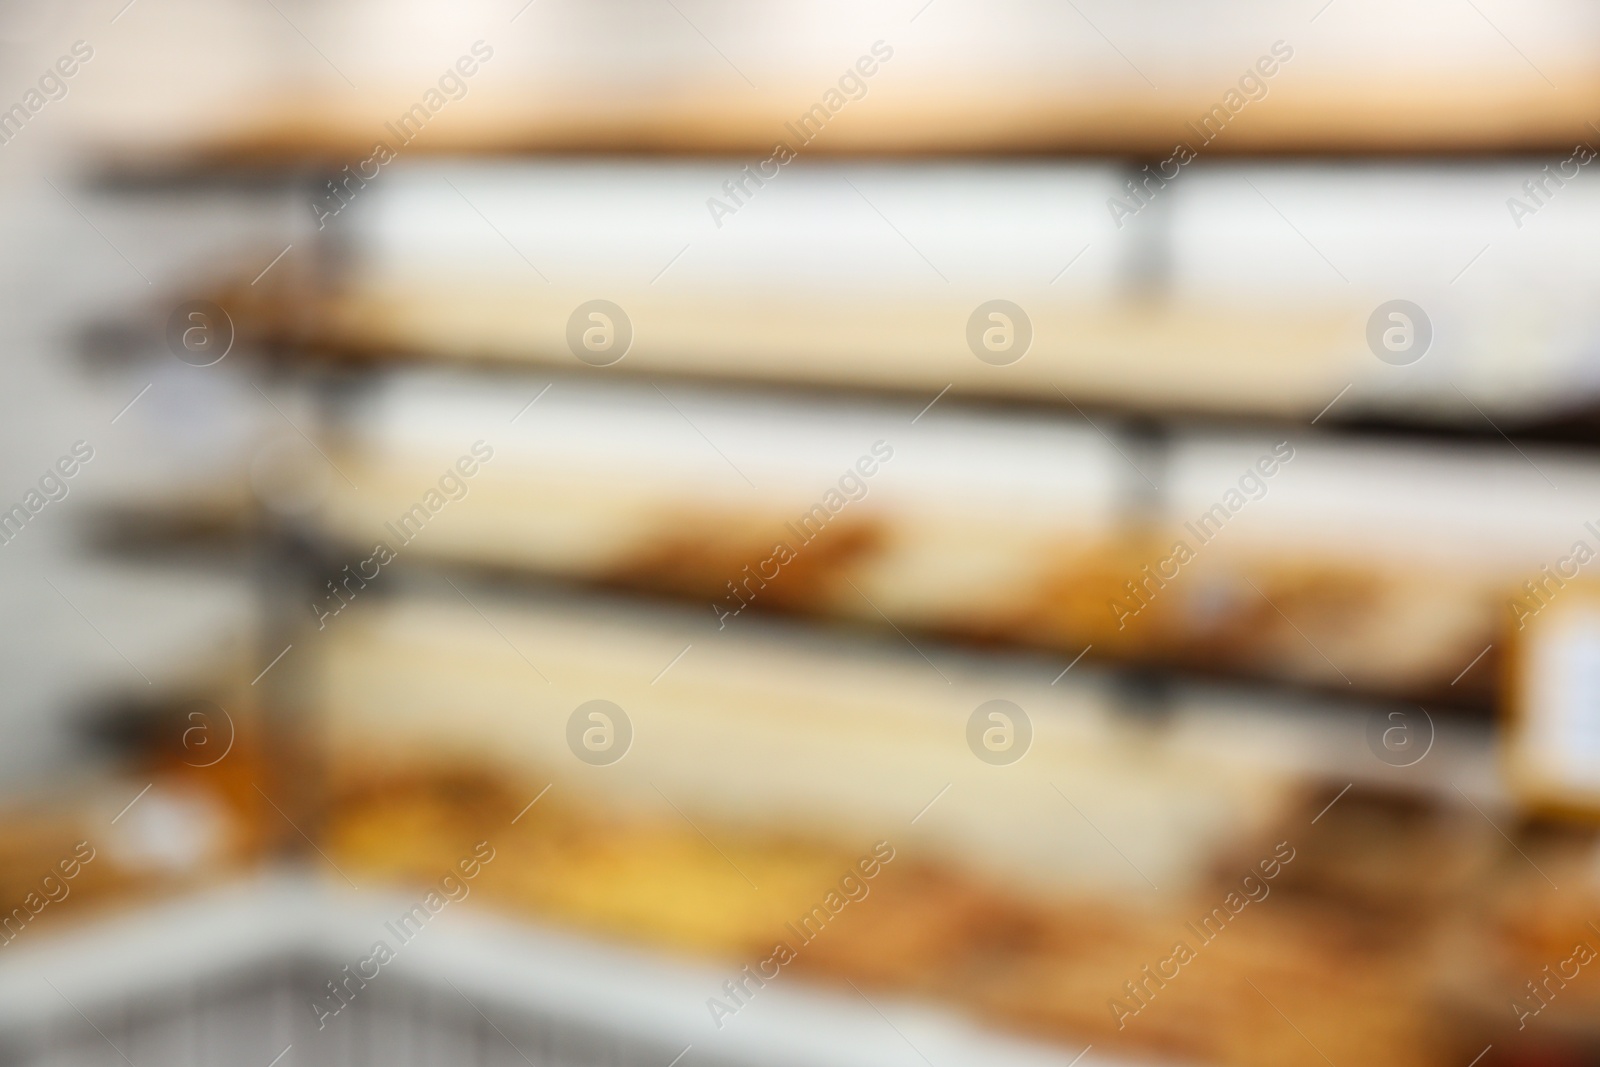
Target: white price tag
{"points": [[1554, 736]]}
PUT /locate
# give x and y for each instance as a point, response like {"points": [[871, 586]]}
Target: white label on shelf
{"points": [[1561, 730]]}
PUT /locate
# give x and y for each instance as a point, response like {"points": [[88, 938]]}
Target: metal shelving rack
{"points": [[290, 557], [291, 561]]}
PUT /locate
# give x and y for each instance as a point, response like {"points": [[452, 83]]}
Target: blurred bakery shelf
{"points": [[1021, 79], [832, 734], [230, 970], [1321, 563], [448, 712], [1336, 122], [1218, 302], [1149, 364], [895, 527], [943, 931], [445, 712]]}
